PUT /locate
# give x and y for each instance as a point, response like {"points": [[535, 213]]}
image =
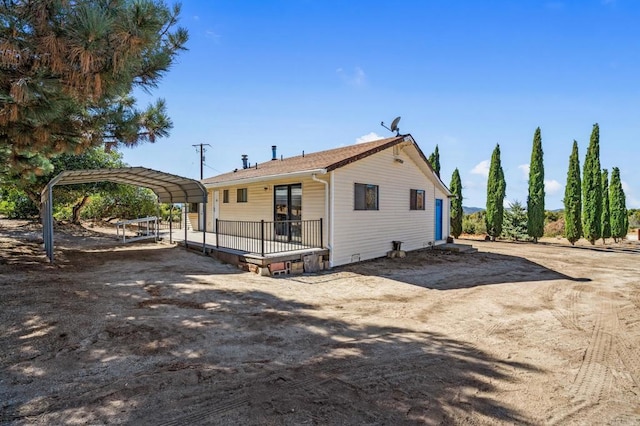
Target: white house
{"points": [[364, 196]]}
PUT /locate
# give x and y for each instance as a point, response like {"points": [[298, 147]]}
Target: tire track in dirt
{"points": [[629, 357], [592, 384], [497, 325], [635, 298], [568, 317], [589, 384]]}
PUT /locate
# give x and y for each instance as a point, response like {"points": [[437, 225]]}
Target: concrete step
{"points": [[457, 248]]}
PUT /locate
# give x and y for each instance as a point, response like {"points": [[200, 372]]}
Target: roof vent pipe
{"points": [[274, 155], [245, 158]]}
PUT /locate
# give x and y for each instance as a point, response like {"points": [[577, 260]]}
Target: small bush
{"points": [[634, 218], [15, 204], [554, 229], [474, 224], [550, 216]]}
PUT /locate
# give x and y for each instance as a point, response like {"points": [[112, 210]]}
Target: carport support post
{"points": [[49, 221], [171, 224], [158, 220], [204, 225], [185, 210]]}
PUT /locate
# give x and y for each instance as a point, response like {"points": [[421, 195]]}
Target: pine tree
{"points": [[618, 206], [68, 70], [606, 215], [573, 199], [515, 222], [456, 204], [496, 191], [535, 200], [434, 160], [592, 189]]}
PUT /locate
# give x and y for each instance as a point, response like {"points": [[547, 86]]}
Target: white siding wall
{"points": [[259, 205], [367, 234]]}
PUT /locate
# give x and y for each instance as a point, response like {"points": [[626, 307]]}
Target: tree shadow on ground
{"points": [[102, 343], [441, 270]]}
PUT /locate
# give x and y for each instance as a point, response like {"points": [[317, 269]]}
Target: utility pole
{"points": [[200, 148]]}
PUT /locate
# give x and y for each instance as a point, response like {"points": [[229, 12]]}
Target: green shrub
{"points": [[550, 216], [165, 212], [15, 204], [128, 202], [474, 224]]}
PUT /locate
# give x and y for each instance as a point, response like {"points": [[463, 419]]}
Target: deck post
{"points": [[321, 235], [262, 238], [216, 231]]}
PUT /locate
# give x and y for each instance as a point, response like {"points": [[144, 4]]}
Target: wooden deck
{"points": [[295, 253]]}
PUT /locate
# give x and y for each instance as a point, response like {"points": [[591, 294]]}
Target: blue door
{"points": [[438, 219]]}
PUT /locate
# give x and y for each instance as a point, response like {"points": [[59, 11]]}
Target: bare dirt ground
{"points": [[152, 334]]}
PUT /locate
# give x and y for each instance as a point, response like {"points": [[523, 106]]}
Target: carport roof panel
{"points": [[168, 187]]}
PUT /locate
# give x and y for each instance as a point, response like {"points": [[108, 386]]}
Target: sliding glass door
{"points": [[288, 212]]}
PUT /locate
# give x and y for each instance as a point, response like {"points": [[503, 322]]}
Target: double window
{"points": [[416, 199], [366, 197], [241, 196]]}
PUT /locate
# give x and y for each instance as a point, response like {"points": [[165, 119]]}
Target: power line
{"points": [[212, 168], [200, 148]]}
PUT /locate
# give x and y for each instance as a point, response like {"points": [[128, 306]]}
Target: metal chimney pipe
{"points": [[245, 158], [274, 155]]}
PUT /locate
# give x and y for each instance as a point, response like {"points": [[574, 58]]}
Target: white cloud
{"points": [[482, 168], [632, 201], [358, 78], [373, 136], [552, 187], [525, 170]]}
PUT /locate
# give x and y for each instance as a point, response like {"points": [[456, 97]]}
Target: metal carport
{"points": [[169, 189]]}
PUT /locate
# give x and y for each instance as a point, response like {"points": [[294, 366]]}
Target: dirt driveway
{"points": [[151, 334]]}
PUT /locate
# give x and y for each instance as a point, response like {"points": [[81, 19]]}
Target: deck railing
{"points": [[268, 237]]}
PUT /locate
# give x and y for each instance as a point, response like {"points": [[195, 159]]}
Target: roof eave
{"points": [[244, 181], [360, 156]]}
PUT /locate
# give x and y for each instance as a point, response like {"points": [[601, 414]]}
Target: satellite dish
{"points": [[394, 126]]}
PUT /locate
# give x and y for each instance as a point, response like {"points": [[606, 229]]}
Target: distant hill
{"points": [[470, 210]]}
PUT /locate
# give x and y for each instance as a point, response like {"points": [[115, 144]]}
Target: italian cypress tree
{"points": [[592, 189], [456, 204], [496, 190], [535, 200], [606, 216], [573, 199], [434, 159], [618, 205]]}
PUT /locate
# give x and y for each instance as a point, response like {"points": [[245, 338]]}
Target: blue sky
{"points": [[465, 75]]}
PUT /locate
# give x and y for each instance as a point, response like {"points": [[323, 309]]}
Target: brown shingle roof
{"points": [[330, 160]]}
